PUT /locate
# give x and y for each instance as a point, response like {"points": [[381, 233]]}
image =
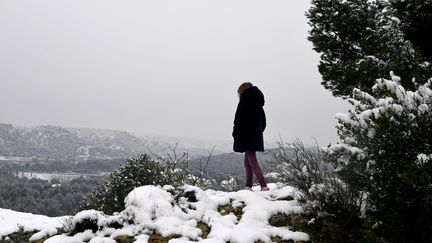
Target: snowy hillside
{"points": [[188, 214], [55, 142]]}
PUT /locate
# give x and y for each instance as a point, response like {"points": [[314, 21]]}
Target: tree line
{"points": [[43, 197]]}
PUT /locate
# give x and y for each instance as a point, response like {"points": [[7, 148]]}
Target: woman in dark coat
{"points": [[249, 125]]}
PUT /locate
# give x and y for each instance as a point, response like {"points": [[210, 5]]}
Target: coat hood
{"points": [[252, 96]]}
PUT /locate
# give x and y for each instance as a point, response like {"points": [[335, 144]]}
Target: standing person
{"points": [[249, 125]]}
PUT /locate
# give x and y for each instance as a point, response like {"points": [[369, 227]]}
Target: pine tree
{"points": [[362, 40], [386, 151], [416, 18]]}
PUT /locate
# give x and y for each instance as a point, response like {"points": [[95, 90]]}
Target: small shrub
{"points": [[144, 170], [324, 196], [138, 171]]}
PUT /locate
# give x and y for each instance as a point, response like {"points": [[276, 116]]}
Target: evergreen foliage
{"points": [[386, 151], [360, 41], [416, 18], [386, 139]]}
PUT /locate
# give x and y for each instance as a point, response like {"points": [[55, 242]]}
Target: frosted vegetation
{"points": [[377, 55], [386, 143]]}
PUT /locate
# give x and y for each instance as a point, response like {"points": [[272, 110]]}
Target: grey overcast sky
{"points": [[165, 67]]}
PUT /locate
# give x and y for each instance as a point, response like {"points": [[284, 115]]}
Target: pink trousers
{"points": [[252, 167]]}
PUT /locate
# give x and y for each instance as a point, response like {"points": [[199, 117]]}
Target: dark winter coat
{"points": [[249, 121]]}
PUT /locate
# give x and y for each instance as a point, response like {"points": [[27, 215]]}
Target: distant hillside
{"points": [[55, 142]]}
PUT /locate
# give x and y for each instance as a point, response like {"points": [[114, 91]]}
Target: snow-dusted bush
{"points": [[178, 167], [299, 166], [138, 171], [144, 170], [231, 184], [323, 195], [385, 150]]}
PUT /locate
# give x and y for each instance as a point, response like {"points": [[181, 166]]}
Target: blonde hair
{"points": [[244, 86]]}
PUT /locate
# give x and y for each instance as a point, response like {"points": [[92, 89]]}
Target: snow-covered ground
{"points": [[12, 221], [151, 209]]}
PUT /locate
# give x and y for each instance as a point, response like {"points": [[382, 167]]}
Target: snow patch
{"points": [[12, 221]]}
